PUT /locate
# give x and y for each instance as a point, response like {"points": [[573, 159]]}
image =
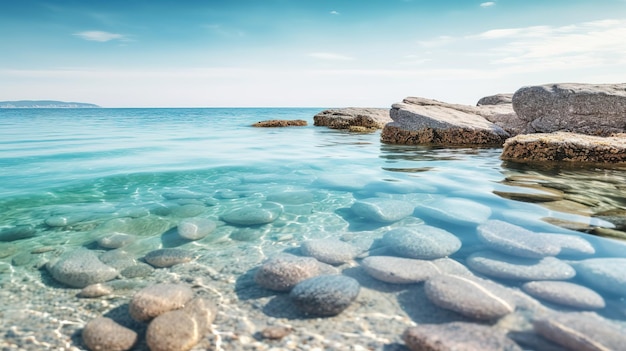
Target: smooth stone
{"points": [[95, 290], [22, 259], [325, 295], [382, 210], [249, 233], [168, 257], [422, 242], [565, 293], [472, 297], [606, 274], [187, 211], [457, 336], [398, 270], [514, 240], [105, 334], [329, 250], [118, 259], [196, 228], [283, 272], [18, 232], [569, 244], [181, 330], [581, 332], [506, 267], [79, 268], [137, 271], [65, 220], [142, 227], [275, 332], [116, 240], [264, 213], [157, 299], [456, 211], [295, 197]]}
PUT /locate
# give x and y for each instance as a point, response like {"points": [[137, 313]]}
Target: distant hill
{"points": [[44, 104]]}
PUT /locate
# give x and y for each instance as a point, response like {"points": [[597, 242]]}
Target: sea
{"points": [[71, 177]]}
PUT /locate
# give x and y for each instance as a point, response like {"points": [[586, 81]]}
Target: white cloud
{"points": [[334, 12], [95, 35], [329, 56], [441, 40], [487, 4]]}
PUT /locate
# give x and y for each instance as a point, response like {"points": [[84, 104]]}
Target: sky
{"points": [[302, 53]]}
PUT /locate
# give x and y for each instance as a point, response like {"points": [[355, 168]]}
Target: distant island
{"points": [[44, 104]]}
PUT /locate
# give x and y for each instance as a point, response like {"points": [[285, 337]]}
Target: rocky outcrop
{"points": [[594, 109], [345, 118], [498, 99], [281, 123], [564, 146], [424, 121]]}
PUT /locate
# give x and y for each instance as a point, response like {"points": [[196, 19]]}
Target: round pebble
{"points": [[457, 336], [422, 242], [456, 210], [116, 240], [275, 332], [569, 244], [168, 257], [471, 297], [105, 334], [282, 273], [515, 240], [80, 268], [196, 228], [18, 233], [330, 250], [138, 270], [508, 267], [565, 293], [95, 290], [382, 210], [190, 210], [325, 295], [264, 213], [397, 270], [606, 274], [157, 299]]}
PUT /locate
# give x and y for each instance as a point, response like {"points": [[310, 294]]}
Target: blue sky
{"points": [[322, 53]]}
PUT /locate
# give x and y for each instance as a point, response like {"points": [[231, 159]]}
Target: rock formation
{"points": [[281, 123], [344, 118]]}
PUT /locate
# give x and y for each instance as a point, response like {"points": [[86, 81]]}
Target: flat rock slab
{"points": [[567, 147], [382, 210], [116, 240], [283, 272], [421, 242], [251, 215], [606, 274], [196, 228], [509, 267], [472, 297], [157, 299], [565, 293], [273, 123], [330, 250], [105, 334], [344, 118], [80, 268], [18, 232], [569, 244], [325, 295], [398, 270], [162, 258], [515, 240], [457, 336], [456, 210]]}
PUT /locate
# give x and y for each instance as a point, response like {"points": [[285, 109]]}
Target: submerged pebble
{"points": [[138, 270], [105, 334], [157, 299], [457, 336], [398, 270], [507, 267], [514, 240], [95, 290], [565, 293], [79, 268], [330, 250], [196, 228], [264, 213], [283, 272], [162, 258], [116, 240], [382, 210], [325, 295], [422, 242], [456, 210], [569, 244], [18, 232], [606, 274]]}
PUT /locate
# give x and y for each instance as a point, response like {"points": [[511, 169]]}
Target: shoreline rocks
{"points": [[279, 123], [345, 118]]}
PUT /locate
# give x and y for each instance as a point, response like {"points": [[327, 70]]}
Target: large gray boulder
{"points": [[498, 99], [425, 121], [344, 118], [595, 109]]}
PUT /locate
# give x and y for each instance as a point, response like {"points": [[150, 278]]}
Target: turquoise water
{"points": [[142, 171]]}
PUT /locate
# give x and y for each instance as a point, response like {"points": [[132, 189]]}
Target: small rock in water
{"points": [[457, 336], [157, 299], [138, 270], [397, 270], [95, 290], [423, 242], [382, 210], [249, 233], [264, 213], [569, 244], [565, 293], [456, 210], [196, 228], [168, 257], [472, 297], [186, 211], [22, 259], [330, 250], [105, 334], [80, 268], [325, 295], [65, 220], [518, 268], [275, 332], [515, 240], [118, 259], [116, 240], [606, 274], [581, 331], [18, 232], [283, 272]]}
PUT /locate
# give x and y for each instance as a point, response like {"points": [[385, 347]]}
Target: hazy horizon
{"points": [[301, 53]]}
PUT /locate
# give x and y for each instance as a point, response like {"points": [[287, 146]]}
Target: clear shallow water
{"points": [[142, 171]]}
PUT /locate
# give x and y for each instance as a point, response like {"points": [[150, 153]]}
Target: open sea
{"points": [[73, 179]]}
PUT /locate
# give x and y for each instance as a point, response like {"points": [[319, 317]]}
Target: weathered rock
{"points": [[138, 270], [116, 240], [567, 147], [18, 232], [606, 274], [565, 293], [281, 123], [455, 210], [196, 228], [457, 336], [157, 299], [498, 99], [104, 333], [581, 332], [329, 250], [344, 118], [515, 240], [80, 268], [422, 242], [95, 290], [594, 109], [398, 270], [425, 121], [472, 297], [118, 259], [325, 295], [264, 213], [168, 257], [283, 272], [518, 268], [382, 210]]}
